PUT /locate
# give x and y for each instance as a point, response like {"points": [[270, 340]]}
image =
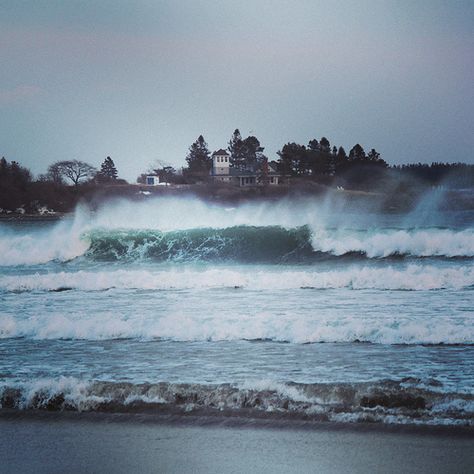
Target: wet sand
{"points": [[102, 444]]}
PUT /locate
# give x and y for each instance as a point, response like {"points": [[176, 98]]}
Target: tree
{"points": [[52, 175], [166, 174], [251, 147], [325, 145], [3, 166], [14, 174], [374, 157], [341, 154], [198, 159], [292, 159], [340, 161], [108, 171], [245, 153], [236, 149], [74, 170], [319, 159], [357, 153], [14, 183]]}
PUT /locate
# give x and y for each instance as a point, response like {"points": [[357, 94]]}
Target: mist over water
{"points": [[214, 290], [169, 229]]}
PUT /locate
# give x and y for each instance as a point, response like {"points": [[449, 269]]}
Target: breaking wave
{"points": [[243, 244], [62, 244], [407, 401], [385, 243], [275, 244], [413, 277]]}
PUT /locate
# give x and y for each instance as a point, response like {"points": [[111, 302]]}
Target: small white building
{"points": [[221, 166], [152, 180]]}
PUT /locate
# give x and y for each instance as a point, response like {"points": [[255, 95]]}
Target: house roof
{"points": [[241, 173], [236, 172], [220, 152]]}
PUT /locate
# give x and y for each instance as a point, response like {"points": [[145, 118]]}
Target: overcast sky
{"points": [[140, 80]]}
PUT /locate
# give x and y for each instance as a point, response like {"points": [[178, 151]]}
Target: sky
{"points": [[140, 80]]}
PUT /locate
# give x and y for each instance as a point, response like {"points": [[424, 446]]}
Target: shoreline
{"points": [[378, 201], [44, 444], [232, 420], [35, 217]]}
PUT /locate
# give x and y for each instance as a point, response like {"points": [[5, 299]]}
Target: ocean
{"points": [[298, 308]]}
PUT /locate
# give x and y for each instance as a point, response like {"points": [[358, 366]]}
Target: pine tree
{"points": [[252, 153], [357, 153], [292, 159], [108, 171], [374, 157], [245, 154], [341, 154], [340, 162], [325, 145], [198, 157], [237, 150]]}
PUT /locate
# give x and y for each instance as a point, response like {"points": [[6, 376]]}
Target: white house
{"points": [[223, 172]]}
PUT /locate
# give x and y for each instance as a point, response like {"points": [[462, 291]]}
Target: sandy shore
{"points": [[53, 443]]}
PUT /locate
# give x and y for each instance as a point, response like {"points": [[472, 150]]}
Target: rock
{"points": [[55, 403], [10, 398]]}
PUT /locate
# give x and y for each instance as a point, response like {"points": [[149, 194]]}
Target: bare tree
{"points": [[53, 175], [73, 169]]}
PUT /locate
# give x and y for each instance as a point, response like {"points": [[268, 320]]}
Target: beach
{"points": [[78, 443]]}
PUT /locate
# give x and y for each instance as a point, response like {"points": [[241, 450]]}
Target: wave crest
{"points": [[413, 277], [383, 243], [289, 325], [241, 244], [390, 401]]}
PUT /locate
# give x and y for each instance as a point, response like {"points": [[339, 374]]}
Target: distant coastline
{"points": [[241, 174], [93, 196]]}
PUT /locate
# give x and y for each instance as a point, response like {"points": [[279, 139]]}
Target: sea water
{"points": [[291, 308]]}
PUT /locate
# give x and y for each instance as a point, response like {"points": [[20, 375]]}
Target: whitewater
{"points": [[293, 308]]}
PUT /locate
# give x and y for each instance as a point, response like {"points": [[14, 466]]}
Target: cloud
{"points": [[20, 93]]}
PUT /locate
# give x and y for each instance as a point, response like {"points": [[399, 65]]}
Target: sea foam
{"points": [[412, 277], [289, 324]]}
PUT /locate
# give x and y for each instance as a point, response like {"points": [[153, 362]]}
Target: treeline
{"points": [[59, 189], [455, 175], [67, 182], [321, 162], [367, 171], [317, 159]]}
